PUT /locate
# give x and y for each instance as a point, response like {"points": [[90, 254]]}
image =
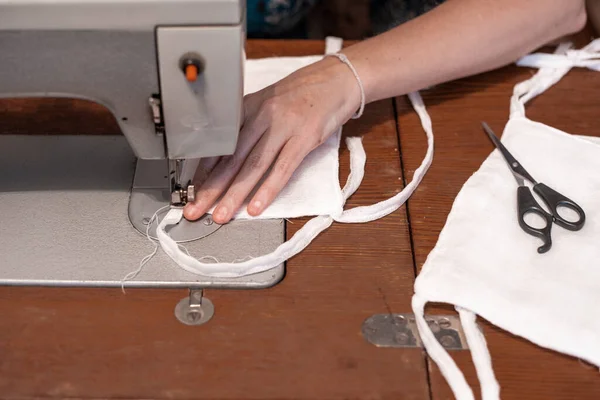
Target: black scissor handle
{"points": [[527, 204], [553, 200]]}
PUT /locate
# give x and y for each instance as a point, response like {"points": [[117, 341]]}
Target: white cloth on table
{"points": [[314, 190], [484, 264]]}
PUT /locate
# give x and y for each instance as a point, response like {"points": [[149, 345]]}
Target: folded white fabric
{"points": [[484, 264], [314, 188]]}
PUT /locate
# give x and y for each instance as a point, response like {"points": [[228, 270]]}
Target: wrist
{"points": [[355, 97]]}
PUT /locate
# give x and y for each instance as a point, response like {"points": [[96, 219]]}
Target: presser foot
{"points": [[151, 194], [145, 203]]}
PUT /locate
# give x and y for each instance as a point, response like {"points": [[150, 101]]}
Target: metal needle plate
{"points": [[144, 203], [150, 193]]}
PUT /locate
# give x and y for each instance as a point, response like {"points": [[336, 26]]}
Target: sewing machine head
{"points": [[171, 72]]}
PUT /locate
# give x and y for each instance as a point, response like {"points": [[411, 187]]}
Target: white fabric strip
{"points": [[490, 389], [312, 228], [552, 68], [386, 207], [333, 44], [315, 226], [295, 245], [445, 363]]}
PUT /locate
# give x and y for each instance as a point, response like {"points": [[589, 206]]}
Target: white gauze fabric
{"points": [[318, 172], [314, 188], [484, 264]]}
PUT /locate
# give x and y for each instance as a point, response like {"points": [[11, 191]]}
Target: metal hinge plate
{"points": [[400, 330]]}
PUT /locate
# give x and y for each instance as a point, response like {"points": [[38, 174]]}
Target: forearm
{"points": [[460, 38]]}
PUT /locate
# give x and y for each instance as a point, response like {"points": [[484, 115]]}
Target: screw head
{"points": [[207, 221], [194, 316], [447, 341], [401, 337], [444, 323]]}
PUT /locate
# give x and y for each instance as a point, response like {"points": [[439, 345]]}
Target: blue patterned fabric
{"points": [[277, 18], [387, 14], [274, 17]]}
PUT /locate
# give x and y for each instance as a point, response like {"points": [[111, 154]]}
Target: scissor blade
{"points": [[518, 171]]}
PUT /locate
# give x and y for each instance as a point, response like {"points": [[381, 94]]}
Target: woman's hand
{"points": [[282, 124]]}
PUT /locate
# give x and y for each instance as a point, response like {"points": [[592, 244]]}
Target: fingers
{"points": [[254, 168], [294, 151], [224, 172], [264, 138]]}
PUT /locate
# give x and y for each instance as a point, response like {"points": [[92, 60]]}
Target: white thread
{"points": [[184, 249], [237, 260], [215, 259], [147, 258], [345, 60]]}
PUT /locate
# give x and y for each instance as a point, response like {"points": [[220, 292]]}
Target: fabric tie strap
{"points": [[587, 57], [552, 68], [303, 237]]}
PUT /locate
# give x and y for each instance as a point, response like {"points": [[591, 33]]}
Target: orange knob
{"points": [[191, 72]]}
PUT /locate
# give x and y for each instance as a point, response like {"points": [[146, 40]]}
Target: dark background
{"points": [[316, 19]]}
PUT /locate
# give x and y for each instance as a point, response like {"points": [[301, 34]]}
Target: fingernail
{"points": [[256, 207], [221, 213], [190, 211]]}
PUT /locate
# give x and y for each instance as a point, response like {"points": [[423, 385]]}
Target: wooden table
{"points": [[300, 339]]}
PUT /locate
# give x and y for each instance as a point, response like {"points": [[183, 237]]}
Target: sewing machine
{"points": [[76, 209]]}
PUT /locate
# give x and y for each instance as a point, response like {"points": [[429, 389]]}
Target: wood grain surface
{"points": [[298, 340], [524, 370]]}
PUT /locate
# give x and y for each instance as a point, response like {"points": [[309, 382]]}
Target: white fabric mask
{"points": [[319, 169], [484, 264]]}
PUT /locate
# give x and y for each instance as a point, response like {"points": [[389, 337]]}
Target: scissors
{"points": [[527, 203]]}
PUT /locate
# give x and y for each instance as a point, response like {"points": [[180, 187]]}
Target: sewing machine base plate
{"points": [[64, 204]]}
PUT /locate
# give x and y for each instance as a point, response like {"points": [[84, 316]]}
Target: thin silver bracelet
{"points": [[345, 60]]}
